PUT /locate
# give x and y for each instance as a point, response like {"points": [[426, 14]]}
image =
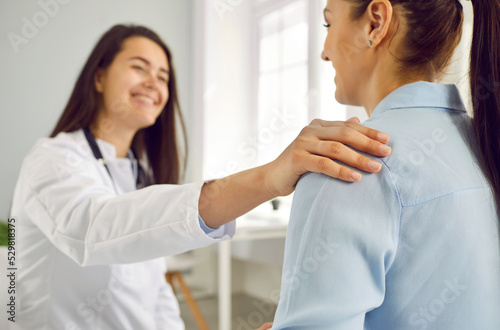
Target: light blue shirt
{"points": [[415, 246]]}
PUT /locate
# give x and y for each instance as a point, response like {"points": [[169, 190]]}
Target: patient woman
{"points": [[416, 246]]}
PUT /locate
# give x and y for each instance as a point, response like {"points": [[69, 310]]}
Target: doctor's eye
{"points": [[326, 25], [137, 67]]}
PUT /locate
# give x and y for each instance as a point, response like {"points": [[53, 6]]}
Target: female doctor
{"points": [[90, 242]]}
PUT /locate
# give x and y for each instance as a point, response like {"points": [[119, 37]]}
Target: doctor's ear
{"points": [[380, 14], [98, 80]]}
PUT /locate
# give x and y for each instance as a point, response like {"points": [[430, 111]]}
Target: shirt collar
{"points": [[421, 95], [108, 150]]}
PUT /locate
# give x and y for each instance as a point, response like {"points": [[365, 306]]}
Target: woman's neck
{"points": [[383, 83], [107, 130]]}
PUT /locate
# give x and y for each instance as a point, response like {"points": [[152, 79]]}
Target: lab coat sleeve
{"points": [[341, 241], [67, 197]]}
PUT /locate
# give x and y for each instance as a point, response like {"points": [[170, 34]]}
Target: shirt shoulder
{"points": [[368, 206], [433, 152]]}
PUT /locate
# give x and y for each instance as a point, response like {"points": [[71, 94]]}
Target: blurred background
{"points": [[250, 77]]}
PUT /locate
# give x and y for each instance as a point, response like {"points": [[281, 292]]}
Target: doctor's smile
{"points": [[140, 70], [394, 219]]}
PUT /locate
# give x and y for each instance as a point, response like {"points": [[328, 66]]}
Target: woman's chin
{"points": [[339, 97], [148, 124], [344, 99], [145, 118], [142, 123]]}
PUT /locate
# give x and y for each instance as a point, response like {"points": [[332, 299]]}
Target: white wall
{"points": [[458, 70], [36, 80], [227, 86]]}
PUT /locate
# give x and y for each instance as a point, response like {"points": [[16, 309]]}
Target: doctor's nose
{"points": [[151, 82]]}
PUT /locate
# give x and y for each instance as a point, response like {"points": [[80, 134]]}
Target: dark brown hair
{"points": [[435, 29], [157, 144], [485, 87]]}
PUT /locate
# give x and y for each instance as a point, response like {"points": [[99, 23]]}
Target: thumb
{"points": [[354, 120]]}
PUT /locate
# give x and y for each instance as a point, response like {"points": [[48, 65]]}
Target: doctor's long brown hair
{"points": [[436, 30], [157, 143]]}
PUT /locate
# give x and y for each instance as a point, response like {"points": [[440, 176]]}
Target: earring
{"points": [[369, 43]]}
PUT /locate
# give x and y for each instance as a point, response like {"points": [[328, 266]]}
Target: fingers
{"points": [[345, 128], [348, 128], [354, 120], [266, 326], [348, 156], [357, 136], [331, 168], [327, 141]]}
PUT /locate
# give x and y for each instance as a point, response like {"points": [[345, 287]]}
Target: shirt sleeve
{"points": [[341, 241], [217, 232], [66, 196]]}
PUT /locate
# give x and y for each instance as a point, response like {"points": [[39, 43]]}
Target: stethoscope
{"points": [[142, 180]]}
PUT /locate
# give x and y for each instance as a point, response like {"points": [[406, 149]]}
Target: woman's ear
{"points": [[379, 16], [98, 80]]}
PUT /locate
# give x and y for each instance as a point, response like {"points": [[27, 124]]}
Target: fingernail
{"points": [[374, 165], [383, 137], [355, 176], [384, 149]]}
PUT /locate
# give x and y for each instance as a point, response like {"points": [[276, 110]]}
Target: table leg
{"points": [[225, 285]]}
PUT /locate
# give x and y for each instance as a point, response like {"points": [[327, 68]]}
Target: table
{"points": [[249, 227]]}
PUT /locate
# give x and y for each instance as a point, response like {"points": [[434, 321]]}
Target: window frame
{"points": [[315, 39]]}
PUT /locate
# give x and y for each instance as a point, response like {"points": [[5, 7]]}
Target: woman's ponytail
{"points": [[485, 88]]}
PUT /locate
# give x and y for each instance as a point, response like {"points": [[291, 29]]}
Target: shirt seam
{"points": [[434, 197], [400, 216], [416, 107]]}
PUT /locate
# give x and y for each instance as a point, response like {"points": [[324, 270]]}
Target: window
{"points": [[294, 86], [283, 77], [260, 82]]}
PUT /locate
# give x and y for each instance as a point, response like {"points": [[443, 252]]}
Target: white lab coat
{"points": [[90, 248]]}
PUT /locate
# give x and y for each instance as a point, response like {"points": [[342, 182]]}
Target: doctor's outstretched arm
{"points": [[314, 150]]}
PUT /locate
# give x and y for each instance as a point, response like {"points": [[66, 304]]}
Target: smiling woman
{"points": [[109, 87], [134, 91], [417, 246]]}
